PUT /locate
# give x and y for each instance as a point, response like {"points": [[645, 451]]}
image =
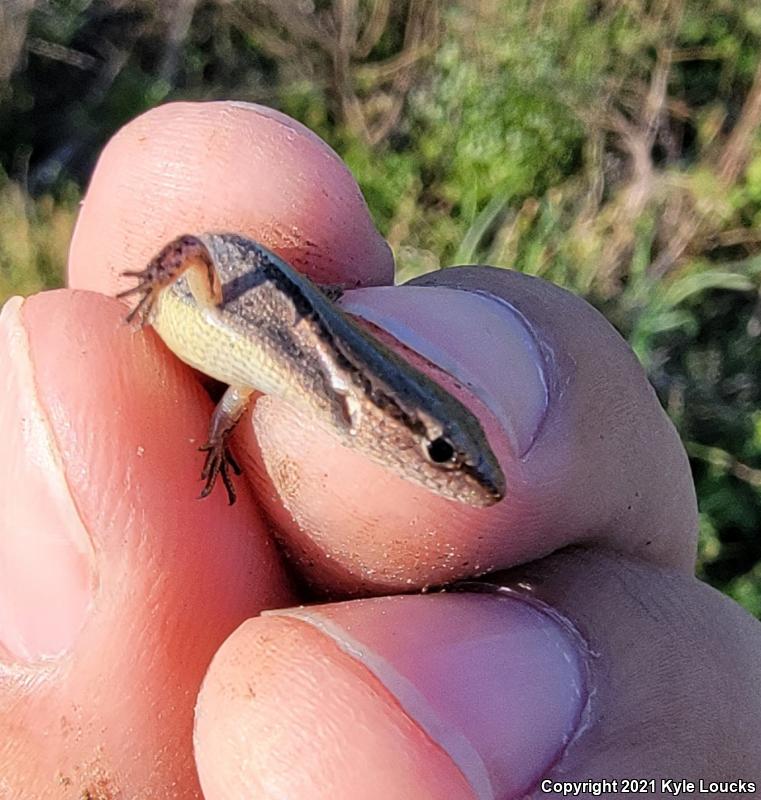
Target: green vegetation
{"points": [[611, 146]]}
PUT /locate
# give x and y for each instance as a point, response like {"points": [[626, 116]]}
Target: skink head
{"points": [[457, 461]]}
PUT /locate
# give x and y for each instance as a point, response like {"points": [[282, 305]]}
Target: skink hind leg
{"points": [[219, 459], [186, 255]]}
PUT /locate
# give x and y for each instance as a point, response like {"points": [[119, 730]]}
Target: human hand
{"points": [[118, 587]]}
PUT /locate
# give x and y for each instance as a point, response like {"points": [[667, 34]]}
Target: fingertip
{"points": [[283, 712], [587, 452], [378, 698], [224, 166]]}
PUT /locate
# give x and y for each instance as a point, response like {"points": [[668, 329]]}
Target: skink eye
{"points": [[440, 451]]}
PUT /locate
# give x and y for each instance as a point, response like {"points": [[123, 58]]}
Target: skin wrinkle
{"points": [[662, 622]]}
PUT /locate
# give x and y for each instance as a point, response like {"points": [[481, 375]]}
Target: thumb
{"points": [[593, 666]]}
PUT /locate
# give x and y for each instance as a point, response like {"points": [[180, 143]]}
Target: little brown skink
{"points": [[232, 309]]}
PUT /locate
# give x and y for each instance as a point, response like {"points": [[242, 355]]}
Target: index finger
{"points": [[198, 167]]}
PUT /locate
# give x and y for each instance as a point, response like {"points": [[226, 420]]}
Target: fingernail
{"points": [[479, 339], [45, 551], [497, 682]]}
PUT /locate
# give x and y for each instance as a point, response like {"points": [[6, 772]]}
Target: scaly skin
{"points": [[234, 310]]}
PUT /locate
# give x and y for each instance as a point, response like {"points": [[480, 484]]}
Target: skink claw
{"points": [[149, 287], [219, 459]]}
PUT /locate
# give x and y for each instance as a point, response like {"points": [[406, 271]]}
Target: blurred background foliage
{"points": [[611, 146]]}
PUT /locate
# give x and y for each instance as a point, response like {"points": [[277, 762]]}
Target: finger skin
{"points": [[224, 167], [109, 710], [671, 692]]}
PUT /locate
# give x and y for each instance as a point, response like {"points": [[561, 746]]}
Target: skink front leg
{"points": [[186, 255], [226, 415]]}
